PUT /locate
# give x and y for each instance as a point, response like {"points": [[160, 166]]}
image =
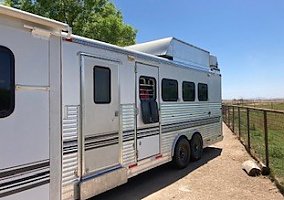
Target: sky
{"points": [[247, 37]]}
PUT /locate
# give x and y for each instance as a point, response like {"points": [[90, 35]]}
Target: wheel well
{"points": [[175, 142]]}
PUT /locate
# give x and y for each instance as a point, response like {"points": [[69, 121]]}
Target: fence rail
{"points": [[262, 133]]}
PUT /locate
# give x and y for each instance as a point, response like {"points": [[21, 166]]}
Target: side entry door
{"points": [[100, 114], [148, 120]]}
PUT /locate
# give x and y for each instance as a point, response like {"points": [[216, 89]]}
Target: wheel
{"points": [[196, 144], [182, 153]]}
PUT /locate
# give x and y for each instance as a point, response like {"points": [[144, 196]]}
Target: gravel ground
{"points": [[217, 176]]}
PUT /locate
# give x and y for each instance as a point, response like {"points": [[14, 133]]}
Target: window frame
{"points": [[155, 84], [6, 113], [194, 91], [207, 96], [94, 85], [177, 92]]}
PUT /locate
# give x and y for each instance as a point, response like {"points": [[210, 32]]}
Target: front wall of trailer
{"points": [[25, 133]]}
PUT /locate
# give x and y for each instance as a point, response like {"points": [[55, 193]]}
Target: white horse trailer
{"points": [[79, 117]]}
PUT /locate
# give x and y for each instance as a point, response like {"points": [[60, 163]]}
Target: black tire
{"points": [[182, 153], [196, 145]]}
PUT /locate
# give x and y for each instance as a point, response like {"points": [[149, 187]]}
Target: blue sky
{"points": [[247, 37]]}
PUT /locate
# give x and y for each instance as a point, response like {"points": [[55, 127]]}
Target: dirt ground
{"points": [[217, 176]]}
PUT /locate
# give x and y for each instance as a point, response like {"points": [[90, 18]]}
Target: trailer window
{"points": [[188, 91], [169, 90], [102, 85], [202, 92], [147, 88], [7, 82]]}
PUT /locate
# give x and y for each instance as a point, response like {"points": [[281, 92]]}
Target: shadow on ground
{"points": [[151, 181]]}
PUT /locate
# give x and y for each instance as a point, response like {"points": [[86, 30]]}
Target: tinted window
{"points": [[169, 90], [7, 82], [102, 85], [202, 92], [147, 88], [188, 91]]}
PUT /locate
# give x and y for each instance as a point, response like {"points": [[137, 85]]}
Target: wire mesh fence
{"points": [[262, 133]]}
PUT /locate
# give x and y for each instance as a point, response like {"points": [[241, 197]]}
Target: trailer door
{"points": [[148, 120], [100, 116]]}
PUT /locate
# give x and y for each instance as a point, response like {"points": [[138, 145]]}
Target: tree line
{"points": [[96, 19]]}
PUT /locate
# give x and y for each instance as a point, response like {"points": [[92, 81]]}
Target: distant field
{"points": [[268, 104], [271, 105]]}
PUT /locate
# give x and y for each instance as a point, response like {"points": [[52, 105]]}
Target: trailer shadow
{"points": [[151, 181]]}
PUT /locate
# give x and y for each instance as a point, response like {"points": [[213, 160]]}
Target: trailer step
{"points": [[99, 184]]}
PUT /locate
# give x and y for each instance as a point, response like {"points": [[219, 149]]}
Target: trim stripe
{"points": [[100, 136], [24, 177], [128, 137], [70, 146], [148, 128], [98, 141], [189, 124], [95, 145], [14, 183], [149, 131], [24, 188], [24, 169], [141, 133]]}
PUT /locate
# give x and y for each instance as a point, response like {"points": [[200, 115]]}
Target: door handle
{"points": [[116, 113]]}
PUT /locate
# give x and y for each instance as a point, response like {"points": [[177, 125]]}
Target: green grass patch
{"points": [[272, 105]]}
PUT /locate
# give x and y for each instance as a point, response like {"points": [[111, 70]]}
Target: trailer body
{"points": [[80, 117]]}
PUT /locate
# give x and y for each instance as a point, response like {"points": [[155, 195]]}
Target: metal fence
{"points": [[262, 133]]}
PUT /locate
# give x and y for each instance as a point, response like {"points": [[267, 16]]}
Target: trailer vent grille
{"points": [[128, 128], [70, 131]]}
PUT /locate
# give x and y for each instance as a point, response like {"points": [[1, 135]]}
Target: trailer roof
{"points": [[131, 52], [19, 14]]}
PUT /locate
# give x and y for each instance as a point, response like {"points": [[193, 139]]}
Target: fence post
{"points": [[233, 120], [229, 116], [248, 127], [239, 119], [266, 138], [224, 112]]}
